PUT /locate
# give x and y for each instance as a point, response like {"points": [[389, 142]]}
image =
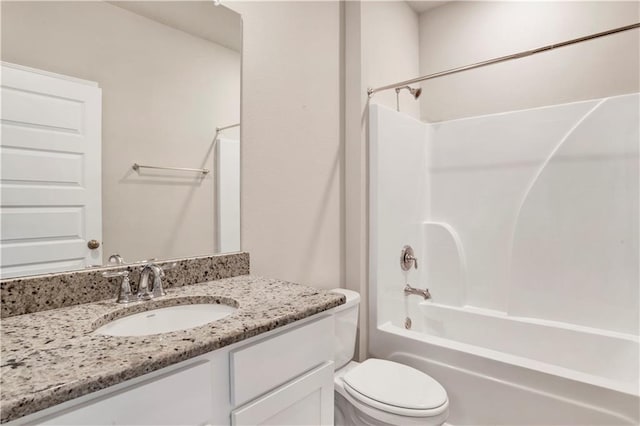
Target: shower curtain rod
{"points": [[519, 55], [220, 129], [227, 127]]}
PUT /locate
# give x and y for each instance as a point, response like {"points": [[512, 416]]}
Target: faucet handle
{"points": [[124, 295], [169, 266], [115, 259], [158, 289], [408, 258], [157, 279]]}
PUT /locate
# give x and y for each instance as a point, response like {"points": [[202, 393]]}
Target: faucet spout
{"points": [[418, 291], [144, 288], [148, 289]]}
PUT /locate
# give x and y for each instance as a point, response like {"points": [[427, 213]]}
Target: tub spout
{"points": [[410, 290]]}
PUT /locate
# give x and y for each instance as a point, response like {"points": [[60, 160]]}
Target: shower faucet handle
{"points": [[408, 258]]}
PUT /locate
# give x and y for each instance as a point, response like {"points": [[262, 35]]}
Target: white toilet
{"points": [[379, 392]]}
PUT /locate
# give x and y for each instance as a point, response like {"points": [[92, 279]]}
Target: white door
{"points": [[50, 180]]}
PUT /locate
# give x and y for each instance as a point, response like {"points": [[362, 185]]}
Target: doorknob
{"points": [[93, 244]]}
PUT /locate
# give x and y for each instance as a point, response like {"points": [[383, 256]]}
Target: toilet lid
{"points": [[396, 384]]}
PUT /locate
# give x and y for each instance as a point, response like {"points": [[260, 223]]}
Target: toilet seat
{"points": [[393, 392], [392, 409], [400, 387]]}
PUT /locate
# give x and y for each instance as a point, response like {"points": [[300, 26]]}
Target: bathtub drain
{"points": [[407, 323]]}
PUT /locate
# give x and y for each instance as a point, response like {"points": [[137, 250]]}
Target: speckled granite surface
{"points": [[51, 356], [42, 292]]}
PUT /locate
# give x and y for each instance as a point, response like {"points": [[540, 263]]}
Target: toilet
{"points": [[379, 392]]}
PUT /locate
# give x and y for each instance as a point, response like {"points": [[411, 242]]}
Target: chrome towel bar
{"points": [[137, 168]]}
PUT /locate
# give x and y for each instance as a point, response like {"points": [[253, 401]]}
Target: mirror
{"points": [[120, 132]]}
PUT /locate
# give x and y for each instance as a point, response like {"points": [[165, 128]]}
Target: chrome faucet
{"points": [[411, 290], [146, 292]]}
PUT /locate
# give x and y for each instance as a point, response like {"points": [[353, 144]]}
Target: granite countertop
{"points": [[50, 357]]}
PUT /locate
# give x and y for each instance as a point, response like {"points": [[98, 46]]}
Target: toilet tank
{"points": [[346, 326]]}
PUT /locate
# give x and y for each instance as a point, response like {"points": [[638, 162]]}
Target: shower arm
{"points": [[372, 91], [415, 92]]}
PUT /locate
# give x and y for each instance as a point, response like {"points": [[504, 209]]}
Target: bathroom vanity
{"points": [[268, 362]]}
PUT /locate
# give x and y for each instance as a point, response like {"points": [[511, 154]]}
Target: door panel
{"points": [[51, 172], [22, 223], [42, 109], [40, 166]]}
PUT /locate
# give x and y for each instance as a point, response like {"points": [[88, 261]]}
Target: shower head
{"points": [[415, 92]]}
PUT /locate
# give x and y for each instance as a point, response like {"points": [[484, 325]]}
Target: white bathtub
{"points": [[516, 371], [601, 358]]}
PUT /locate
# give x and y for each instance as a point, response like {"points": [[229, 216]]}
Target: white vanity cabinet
{"points": [[283, 377]]}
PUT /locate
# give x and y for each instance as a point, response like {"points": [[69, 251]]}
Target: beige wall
{"points": [[302, 206], [390, 50], [459, 33], [164, 92], [291, 141], [381, 47]]}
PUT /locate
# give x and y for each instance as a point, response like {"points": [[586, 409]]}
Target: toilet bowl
{"points": [[412, 404], [379, 392]]}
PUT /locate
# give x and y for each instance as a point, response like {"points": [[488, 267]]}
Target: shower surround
{"points": [[525, 225]]}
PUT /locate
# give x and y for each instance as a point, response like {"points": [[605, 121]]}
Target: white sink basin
{"points": [[165, 320]]}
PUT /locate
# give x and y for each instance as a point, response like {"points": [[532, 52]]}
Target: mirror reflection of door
{"points": [[51, 172], [165, 76]]}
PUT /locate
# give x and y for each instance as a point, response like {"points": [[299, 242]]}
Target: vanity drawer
{"points": [[265, 365]]}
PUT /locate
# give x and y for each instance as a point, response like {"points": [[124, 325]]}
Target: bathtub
{"points": [[500, 369]]}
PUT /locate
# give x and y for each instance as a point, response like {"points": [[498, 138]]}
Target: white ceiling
{"points": [[199, 18], [420, 6]]}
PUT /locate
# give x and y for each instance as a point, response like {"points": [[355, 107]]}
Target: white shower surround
{"points": [[526, 229]]}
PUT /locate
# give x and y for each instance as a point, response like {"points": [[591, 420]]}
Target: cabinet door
{"points": [[306, 400], [182, 397]]}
